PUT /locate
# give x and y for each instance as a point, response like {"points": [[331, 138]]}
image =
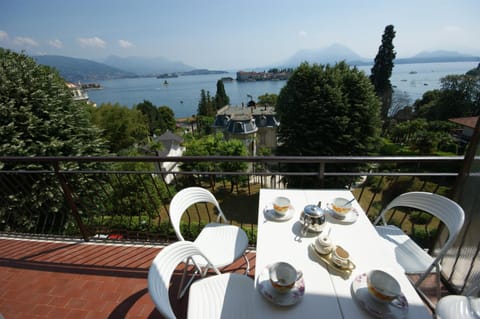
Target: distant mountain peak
{"points": [[330, 54]]}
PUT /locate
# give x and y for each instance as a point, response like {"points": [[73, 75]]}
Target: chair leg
{"points": [[198, 271], [183, 288], [424, 297], [247, 270]]}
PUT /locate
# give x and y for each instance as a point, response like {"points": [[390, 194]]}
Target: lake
{"points": [[182, 94]]}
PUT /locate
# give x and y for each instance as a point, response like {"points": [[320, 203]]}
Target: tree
{"points": [[221, 97], [166, 119], [38, 114], [38, 117], [268, 99], [382, 71], [150, 112], [459, 96], [206, 106], [122, 127], [159, 119], [232, 147], [325, 110], [211, 145]]}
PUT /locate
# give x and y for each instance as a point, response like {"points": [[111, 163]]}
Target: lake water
{"points": [[182, 94]]}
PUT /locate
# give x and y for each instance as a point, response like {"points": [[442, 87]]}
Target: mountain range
{"points": [[114, 67], [81, 70], [337, 52], [146, 66]]}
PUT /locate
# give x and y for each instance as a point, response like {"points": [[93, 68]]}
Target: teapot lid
{"points": [[313, 210]]}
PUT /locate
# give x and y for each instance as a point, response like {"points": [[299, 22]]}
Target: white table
{"points": [[326, 295]]}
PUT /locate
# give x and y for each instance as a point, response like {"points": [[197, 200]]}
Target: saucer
{"points": [[270, 214], [332, 268], [289, 298], [397, 309], [350, 217]]}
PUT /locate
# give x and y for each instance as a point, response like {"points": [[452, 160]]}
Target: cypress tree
{"points": [[382, 71], [221, 97]]}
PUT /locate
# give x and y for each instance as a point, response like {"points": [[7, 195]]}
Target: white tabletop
{"points": [[326, 294]]}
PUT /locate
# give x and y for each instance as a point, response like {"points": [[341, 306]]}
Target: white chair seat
{"points": [[218, 296], [223, 296], [458, 307], [410, 256], [222, 243]]}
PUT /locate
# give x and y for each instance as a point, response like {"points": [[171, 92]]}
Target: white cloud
{"points": [[56, 43], [25, 41], [302, 34], [3, 35], [95, 42], [125, 44]]}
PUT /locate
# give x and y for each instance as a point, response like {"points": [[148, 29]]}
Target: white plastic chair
{"points": [[458, 306], [218, 296], [413, 258], [220, 242]]}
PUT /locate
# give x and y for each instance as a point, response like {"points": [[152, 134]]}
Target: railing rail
{"points": [[68, 177], [127, 198]]}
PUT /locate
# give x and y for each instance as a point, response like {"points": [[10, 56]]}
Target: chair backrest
{"points": [[186, 198], [162, 268], [449, 212]]}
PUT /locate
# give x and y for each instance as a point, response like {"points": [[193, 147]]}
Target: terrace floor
{"points": [[67, 279]]}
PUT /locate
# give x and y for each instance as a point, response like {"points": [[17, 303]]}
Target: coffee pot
{"points": [[313, 219]]}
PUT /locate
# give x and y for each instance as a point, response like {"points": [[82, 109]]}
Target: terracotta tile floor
{"points": [[46, 279]]}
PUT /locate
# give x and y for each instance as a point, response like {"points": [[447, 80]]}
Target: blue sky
{"points": [[234, 33]]}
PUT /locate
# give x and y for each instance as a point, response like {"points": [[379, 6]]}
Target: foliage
{"points": [[204, 125], [420, 218], [215, 145], [221, 97], [268, 99], [206, 106], [474, 71], [327, 111], [38, 117], [424, 137], [459, 96], [382, 71], [122, 127], [135, 194], [159, 119]]}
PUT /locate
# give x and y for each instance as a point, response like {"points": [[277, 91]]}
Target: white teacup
{"points": [[323, 244], [281, 205], [340, 257], [382, 286], [283, 276], [340, 207]]}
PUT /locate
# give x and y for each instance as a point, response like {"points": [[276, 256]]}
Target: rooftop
{"points": [[470, 122]]}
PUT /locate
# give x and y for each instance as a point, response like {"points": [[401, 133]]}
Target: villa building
{"points": [[255, 125], [78, 93], [464, 134], [172, 146]]}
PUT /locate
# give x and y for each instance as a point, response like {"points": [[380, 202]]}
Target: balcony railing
{"points": [[127, 198]]}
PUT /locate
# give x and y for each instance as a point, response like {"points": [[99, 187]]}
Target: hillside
{"points": [[146, 66], [81, 70]]}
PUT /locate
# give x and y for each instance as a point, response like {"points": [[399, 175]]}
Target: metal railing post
{"points": [[321, 174]]}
